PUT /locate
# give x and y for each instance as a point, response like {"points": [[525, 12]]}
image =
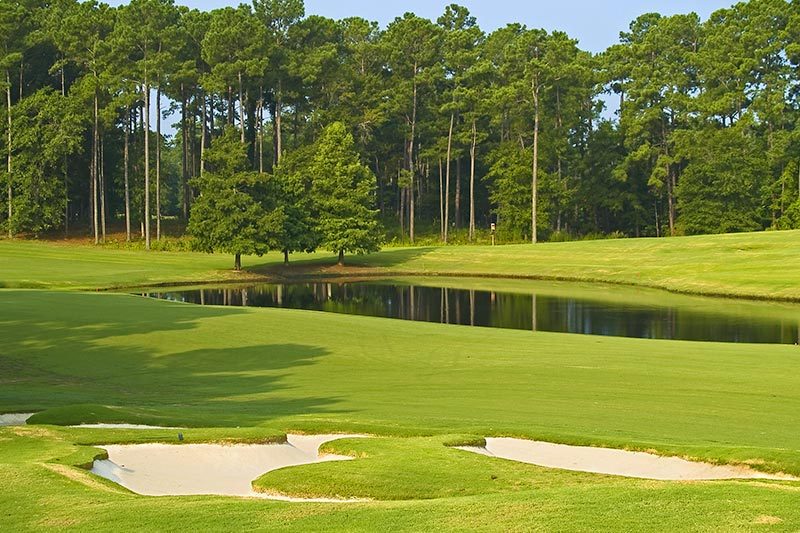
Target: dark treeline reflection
{"points": [[567, 314]]}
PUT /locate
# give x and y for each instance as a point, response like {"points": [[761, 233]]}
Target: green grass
{"points": [[176, 364], [41, 493], [30, 264], [108, 357], [251, 375], [754, 265]]}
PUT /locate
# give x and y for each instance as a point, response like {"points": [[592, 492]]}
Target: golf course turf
{"points": [[252, 375]]}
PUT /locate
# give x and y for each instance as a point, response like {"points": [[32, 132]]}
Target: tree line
{"points": [[438, 128]]}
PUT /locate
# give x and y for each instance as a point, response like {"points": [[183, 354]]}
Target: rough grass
{"points": [[752, 265], [39, 494], [31, 264]]}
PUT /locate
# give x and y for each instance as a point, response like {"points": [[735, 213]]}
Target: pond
{"points": [[591, 309]]}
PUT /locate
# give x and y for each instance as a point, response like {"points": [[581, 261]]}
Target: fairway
{"points": [[252, 375], [278, 266], [83, 358]]}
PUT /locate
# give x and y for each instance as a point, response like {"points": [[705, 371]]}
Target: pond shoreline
{"points": [[558, 307], [353, 274]]}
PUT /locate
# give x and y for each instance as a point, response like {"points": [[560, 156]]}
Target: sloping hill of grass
{"points": [[750, 265], [753, 265]]}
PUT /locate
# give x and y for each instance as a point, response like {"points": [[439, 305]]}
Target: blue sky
{"points": [[596, 24]]}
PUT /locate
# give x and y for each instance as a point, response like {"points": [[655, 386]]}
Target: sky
{"points": [[596, 24]]}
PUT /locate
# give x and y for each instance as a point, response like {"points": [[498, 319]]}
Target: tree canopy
{"points": [[434, 128], [344, 192]]}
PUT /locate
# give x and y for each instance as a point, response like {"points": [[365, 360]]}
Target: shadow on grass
{"points": [[86, 351], [326, 263]]}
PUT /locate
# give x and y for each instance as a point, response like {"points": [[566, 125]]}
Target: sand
{"points": [[15, 419], [613, 462], [192, 469]]}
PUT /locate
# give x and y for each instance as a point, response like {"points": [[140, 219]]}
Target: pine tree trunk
{"points": [[158, 161], [126, 158], [260, 114], [184, 155], [66, 168], [230, 106], [278, 132], [203, 134], [211, 118], [535, 171], [558, 160], [670, 181], [241, 108], [401, 212], [146, 126], [472, 150], [95, 168], [411, 166], [102, 174], [8, 159], [447, 180], [457, 198], [671, 200], [441, 202]]}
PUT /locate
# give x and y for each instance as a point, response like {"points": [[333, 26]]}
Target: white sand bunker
{"points": [[613, 462], [227, 470], [15, 419]]}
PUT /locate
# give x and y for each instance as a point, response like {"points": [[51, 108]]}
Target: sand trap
{"points": [[192, 469], [122, 426], [15, 419], [613, 462]]}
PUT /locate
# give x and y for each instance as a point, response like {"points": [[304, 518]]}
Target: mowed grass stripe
{"points": [[204, 366]]}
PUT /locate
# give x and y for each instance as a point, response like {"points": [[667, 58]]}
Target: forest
{"points": [[152, 118]]}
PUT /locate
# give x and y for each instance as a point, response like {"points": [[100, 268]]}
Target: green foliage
{"points": [[281, 77], [509, 183], [510, 190], [344, 193], [721, 186], [49, 128], [231, 213], [231, 46], [299, 232]]}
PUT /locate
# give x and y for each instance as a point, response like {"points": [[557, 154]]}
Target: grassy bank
{"points": [[43, 265], [752, 265]]}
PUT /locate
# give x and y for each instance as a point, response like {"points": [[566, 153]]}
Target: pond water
{"points": [[540, 306]]}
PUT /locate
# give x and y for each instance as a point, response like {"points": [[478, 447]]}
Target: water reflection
{"points": [[523, 310]]}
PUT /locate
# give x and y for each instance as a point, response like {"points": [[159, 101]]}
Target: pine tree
{"points": [[233, 213], [299, 232], [344, 193]]}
